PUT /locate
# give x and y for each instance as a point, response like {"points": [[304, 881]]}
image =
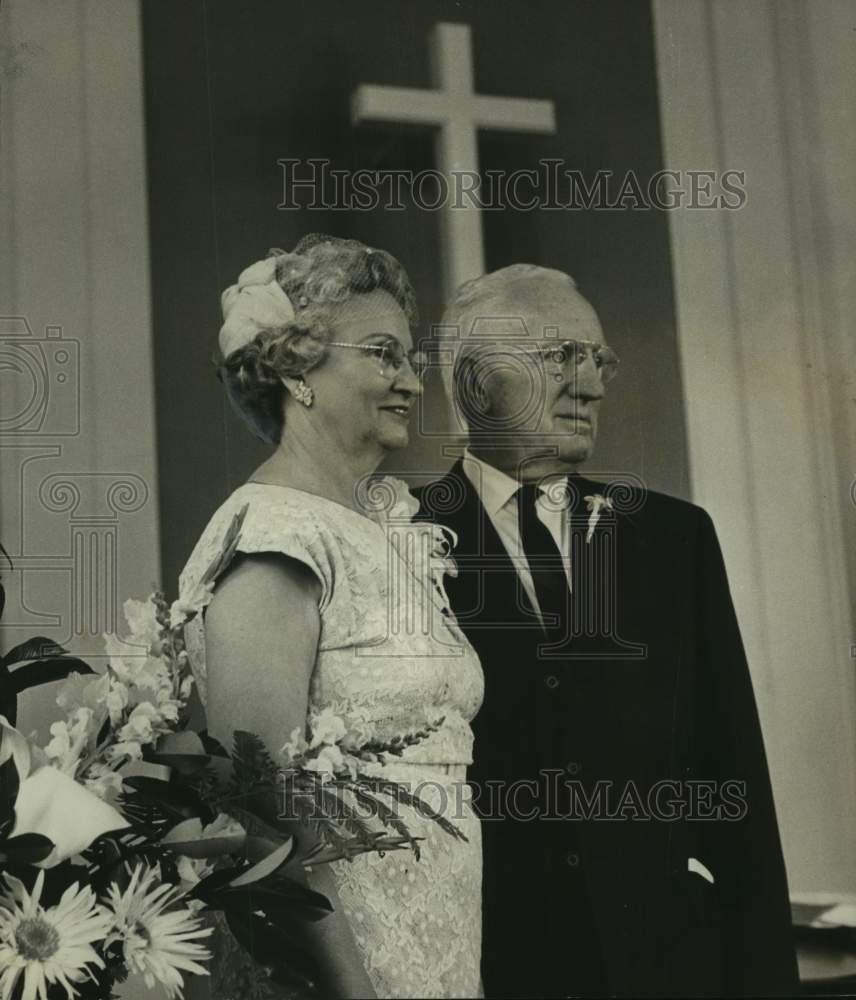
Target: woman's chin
{"points": [[393, 441]]}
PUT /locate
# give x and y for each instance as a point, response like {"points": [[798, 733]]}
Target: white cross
{"points": [[457, 112]]}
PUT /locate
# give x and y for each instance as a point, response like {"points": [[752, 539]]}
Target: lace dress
{"points": [[390, 658]]}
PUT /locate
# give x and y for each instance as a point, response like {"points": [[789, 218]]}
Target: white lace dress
{"points": [[391, 655]]}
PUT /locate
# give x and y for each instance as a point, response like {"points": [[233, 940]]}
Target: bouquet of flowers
{"points": [[126, 825]]}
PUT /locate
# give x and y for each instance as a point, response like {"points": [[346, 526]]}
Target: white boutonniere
{"points": [[596, 503]]}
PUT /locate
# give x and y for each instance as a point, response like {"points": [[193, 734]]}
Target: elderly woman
{"points": [[316, 609]]}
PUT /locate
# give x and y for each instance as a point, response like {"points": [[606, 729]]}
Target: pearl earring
{"points": [[303, 393]]}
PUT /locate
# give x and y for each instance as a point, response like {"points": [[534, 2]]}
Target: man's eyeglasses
{"points": [[557, 356], [391, 356]]}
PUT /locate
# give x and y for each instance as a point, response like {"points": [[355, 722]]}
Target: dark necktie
{"points": [[544, 558]]}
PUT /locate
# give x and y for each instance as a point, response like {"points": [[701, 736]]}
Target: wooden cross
{"points": [[456, 111]]}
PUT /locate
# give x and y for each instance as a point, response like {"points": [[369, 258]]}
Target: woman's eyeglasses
{"points": [[391, 356]]}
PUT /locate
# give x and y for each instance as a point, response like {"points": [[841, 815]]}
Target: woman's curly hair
{"points": [[321, 272]]}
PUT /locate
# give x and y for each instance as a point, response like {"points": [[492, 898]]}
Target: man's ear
{"points": [[471, 395]]}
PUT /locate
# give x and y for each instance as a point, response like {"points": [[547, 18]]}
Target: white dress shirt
{"points": [[498, 494]]}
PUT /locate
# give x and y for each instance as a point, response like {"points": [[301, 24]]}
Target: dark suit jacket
{"points": [[652, 686]]}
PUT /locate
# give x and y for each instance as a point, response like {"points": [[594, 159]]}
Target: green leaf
{"points": [[305, 902], [10, 781], [26, 849], [37, 648], [183, 763], [211, 745], [186, 743], [222, 768], [253, 763], [8, 702], [175, 800], [267, 866], [389, 817], [5, 555], [256, 825], [206, 847], [284, 901], [184, 838], [44, 672], [402, 795], [208, 887], [339, 811], [258, 848]]}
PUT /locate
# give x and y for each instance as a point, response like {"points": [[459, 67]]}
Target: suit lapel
{"points": [[608, 566], [487, 596], [487, 590]]}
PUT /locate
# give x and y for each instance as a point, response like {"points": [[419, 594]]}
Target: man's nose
{"points": [[586, 381]]}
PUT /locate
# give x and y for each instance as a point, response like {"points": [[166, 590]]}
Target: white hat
{"points": [[255, 303]]}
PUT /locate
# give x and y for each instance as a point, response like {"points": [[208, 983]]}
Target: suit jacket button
{"points": [[552, 681], [572, 859], [573, 767]]}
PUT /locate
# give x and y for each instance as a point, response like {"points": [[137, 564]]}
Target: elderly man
{"points": [[630, 837]]}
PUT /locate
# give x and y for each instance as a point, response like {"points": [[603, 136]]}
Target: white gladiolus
{"points": [[141, 619], [326, 727], [70, 739], [329, 762]]}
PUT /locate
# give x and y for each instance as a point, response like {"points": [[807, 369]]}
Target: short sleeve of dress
{"points": [[296, 532], [257, 519]]}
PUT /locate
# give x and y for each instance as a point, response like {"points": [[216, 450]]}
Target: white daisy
{"points": [[156, 941], [48, 946]]}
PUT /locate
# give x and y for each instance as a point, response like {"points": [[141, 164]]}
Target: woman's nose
{"points": [[407, 381]]}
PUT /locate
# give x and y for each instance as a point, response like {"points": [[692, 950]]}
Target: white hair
{"points": [[485, 306]]}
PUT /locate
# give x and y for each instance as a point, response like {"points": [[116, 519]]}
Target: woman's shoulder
{"points": [[271, 510], [260, 518]]}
